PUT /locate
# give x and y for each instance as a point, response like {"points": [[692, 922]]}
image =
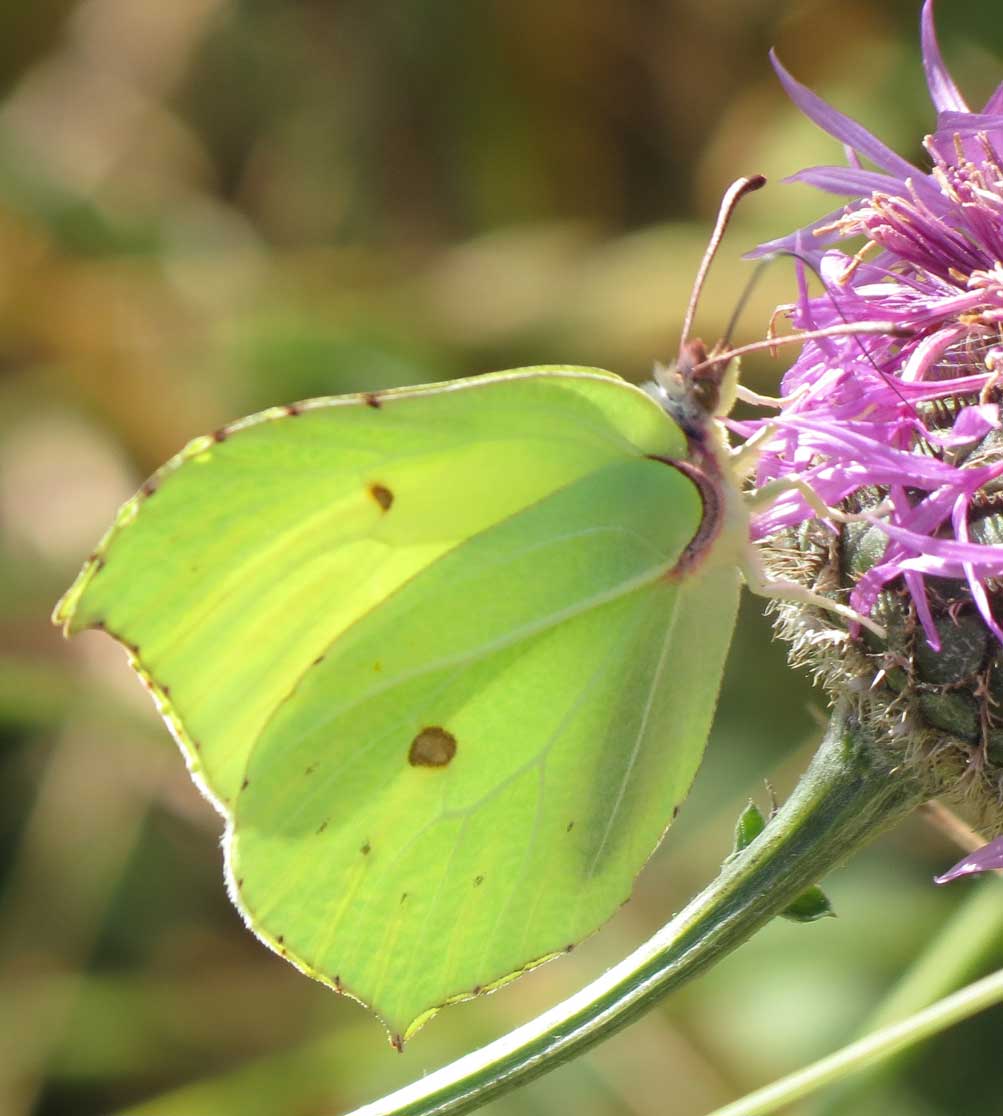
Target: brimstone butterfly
{"points": [[445, 658]]}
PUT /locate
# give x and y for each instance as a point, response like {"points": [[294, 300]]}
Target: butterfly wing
{"points": [[428, 652]]}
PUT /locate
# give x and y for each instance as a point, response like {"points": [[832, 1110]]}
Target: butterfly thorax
{"points": [[695, 391]]}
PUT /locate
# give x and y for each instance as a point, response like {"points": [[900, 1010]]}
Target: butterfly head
{"points": [[698, 387]]}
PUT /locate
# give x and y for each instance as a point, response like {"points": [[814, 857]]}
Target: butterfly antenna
{"points": [[735, 192], [743, 301], [847, 329]]}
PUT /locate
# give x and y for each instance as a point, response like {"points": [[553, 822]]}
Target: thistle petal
{"points": [[841, 126], [943, 92], [849, 181], [987, 859]]}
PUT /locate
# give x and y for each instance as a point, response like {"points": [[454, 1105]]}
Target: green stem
{"points": [[985, 993], [845, 798], [967, 942]]}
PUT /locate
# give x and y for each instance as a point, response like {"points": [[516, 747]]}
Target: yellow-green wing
{"points": [[430, 652]]}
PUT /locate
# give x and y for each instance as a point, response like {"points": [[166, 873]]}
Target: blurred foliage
{"points": [[209, 206]]}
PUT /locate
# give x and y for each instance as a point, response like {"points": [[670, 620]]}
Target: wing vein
{"points": [[642, 730]]}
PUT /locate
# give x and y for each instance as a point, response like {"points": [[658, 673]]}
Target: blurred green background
{"points": [[207, 207]]}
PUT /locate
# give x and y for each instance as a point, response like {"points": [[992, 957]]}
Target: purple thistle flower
{"points": [[908, 413]]}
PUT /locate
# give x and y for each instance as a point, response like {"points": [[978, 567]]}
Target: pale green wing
{"points": [[246, 555], [432, 651]]}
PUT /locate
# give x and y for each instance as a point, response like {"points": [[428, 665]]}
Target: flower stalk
{"points": [[848, 795]]}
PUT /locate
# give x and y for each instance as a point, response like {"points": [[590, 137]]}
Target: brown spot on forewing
{"points": [[432, 747], [382, 495]]}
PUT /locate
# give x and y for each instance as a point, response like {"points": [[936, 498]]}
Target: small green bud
{"points": [[811, 904]]}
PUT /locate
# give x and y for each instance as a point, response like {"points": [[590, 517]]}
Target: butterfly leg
{"points": [[753, 570], [781, 588], [767, 494], [743, 461], [743, 458]]}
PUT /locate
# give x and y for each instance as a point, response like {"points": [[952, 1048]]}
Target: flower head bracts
{"points": [[906, 414]]}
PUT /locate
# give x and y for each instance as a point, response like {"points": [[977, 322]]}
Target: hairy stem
{"points": [[845, 798]]}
